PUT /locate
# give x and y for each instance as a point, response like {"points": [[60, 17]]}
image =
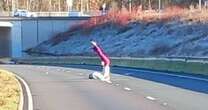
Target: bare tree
{"points": [[61, 5]]}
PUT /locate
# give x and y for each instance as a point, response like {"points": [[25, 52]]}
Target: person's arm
{"points": [[97, 49]]}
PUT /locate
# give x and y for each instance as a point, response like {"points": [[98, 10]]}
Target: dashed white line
{"points": [[117, 84], [127, 74], [165, 104], [150, 98], [126, 88]]}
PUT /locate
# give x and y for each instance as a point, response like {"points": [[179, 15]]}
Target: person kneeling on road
{"points": [[105, 62]]}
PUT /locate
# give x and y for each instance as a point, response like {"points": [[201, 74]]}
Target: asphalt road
{"points": [[194, 82], [58, 88]]}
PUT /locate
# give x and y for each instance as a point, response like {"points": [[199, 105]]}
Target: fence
{"points": [[56, 14]]}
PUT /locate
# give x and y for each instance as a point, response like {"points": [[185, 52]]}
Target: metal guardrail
{"points": [[39, 14], [183, 59], [53, 14]]}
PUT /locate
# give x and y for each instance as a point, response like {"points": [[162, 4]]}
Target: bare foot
{"points": [[108, 81], [107, 77]]}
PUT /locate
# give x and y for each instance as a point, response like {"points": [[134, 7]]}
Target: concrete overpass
{"points": [[19, 34]]}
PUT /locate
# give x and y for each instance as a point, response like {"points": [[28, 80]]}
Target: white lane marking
{"points": [[127, 74], [150, 98], [167, 74], [29, 95], [46, 72], [126, 88], [117, 84], [81, 74], [165, 104]]}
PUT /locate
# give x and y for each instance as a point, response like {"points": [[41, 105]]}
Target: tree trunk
{"points": [[150, 5]]}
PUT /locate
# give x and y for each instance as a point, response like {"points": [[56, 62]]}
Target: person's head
{"points": [[91, 76]]}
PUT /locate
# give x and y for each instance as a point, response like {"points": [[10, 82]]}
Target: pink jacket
{"points": [[102, 55]]}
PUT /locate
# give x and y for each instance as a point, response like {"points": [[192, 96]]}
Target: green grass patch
{"points": [[165, 65], [172, 65]]}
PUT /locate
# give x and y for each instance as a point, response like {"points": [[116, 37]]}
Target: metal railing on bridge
{"points": [[56, 14]]}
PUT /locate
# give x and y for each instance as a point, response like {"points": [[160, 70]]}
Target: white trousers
{"points": [[97, 75], [106, 71], [104, 76]]}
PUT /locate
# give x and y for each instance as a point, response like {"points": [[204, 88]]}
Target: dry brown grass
{"points": [[196, 15], [123, 16], [9, 91]]}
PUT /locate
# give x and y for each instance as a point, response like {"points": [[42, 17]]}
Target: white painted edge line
{"points": [[29, 95], [150, 98]]}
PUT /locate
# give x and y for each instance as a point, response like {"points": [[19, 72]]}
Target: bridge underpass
{"points": [[5, 39], [20, 34]]}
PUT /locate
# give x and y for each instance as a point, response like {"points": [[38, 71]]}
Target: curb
{"points": [[29, 95]]}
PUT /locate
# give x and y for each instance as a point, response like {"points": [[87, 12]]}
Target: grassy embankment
{"points": [[123, 17], [9, 91]]}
